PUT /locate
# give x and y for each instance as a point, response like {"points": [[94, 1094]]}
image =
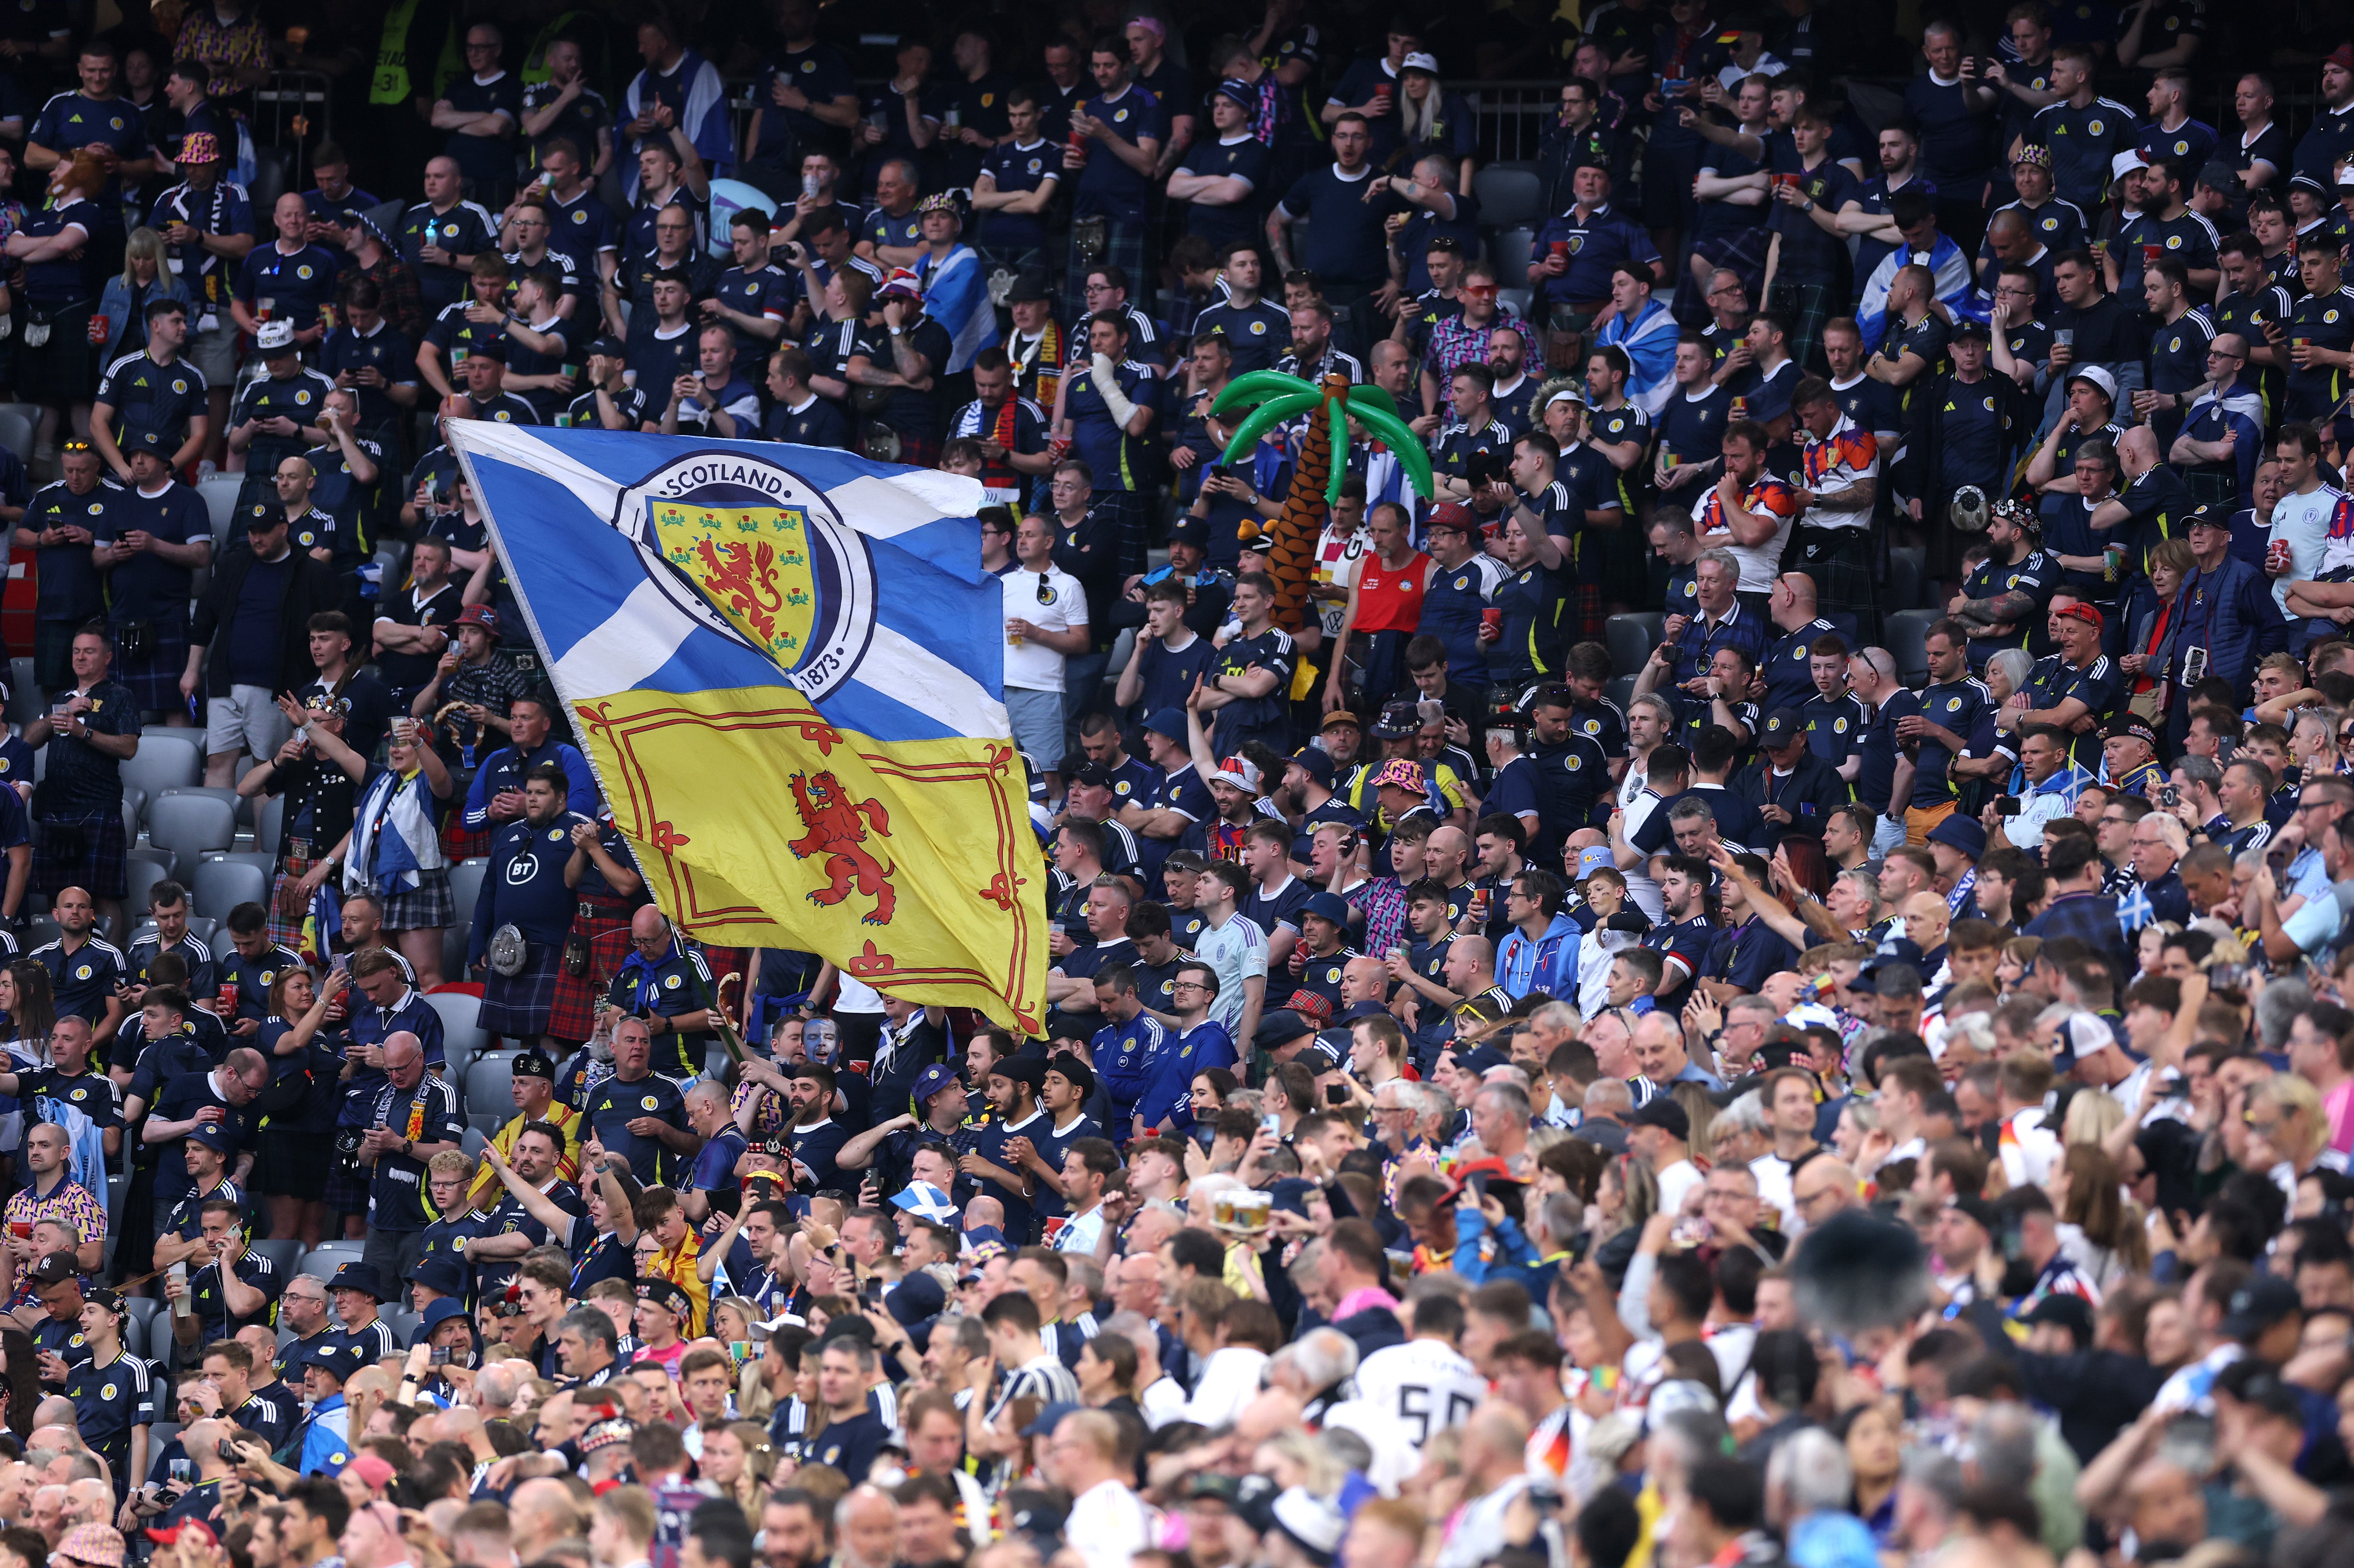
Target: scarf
{"points": [[638, 973], [386, 862]]}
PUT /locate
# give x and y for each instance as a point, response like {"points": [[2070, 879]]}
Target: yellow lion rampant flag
{"points": [[785, 664]]}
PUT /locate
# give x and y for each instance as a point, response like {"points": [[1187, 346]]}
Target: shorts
{"points": [[213, 351], [246, 719], [1919, 820], [1037, 725]]}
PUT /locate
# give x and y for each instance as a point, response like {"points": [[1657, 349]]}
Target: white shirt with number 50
{"points": [[1426, 1383]]}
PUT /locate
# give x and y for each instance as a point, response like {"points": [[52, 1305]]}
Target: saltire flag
{"points": [[786, 665]]}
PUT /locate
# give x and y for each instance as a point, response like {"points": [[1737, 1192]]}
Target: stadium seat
{"points": [[144, 870], [321, 1265], [1509, 250], [268, 823], [24, 696], [116, 1186], [466, 885], [1907, 636], [487, 1078], [459, 1025], [1621, 690], [343, 1244], [1509, 194], [160, 1435], [186, 822], [218, 887], [284, 1253], [1905, 571], [474, 1141], [404, 1325], [134, 1337], [220, 494], [1630, 639], [45, 930], [145, 1310], [1514, 300], [161, 764], [16, 433]]}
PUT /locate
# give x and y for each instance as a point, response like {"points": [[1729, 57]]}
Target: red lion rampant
{"points": [[837, 829]]}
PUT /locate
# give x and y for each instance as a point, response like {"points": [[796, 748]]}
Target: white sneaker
{"points": [[206, 470]]}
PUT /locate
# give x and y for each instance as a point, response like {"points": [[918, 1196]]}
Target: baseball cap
{"points": [[1781, 726], [1279, 1029], [54, 1269], [606, 347], [1316, 762], [1190, 530], [493, 349], [1341, 718], [2081, 610], [1051, 1417], [1453, 514], [2262, 1301], [1978, 1209], [1093, 774], [2079, 1035], [212, 1138], [666, 1291], [275, 337], [2220, 176], [1966, 326], [2100, 378], [1663, 1113], [1420, 61]]}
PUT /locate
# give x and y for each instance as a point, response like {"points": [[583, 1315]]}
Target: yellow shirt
{"points": [[488, 1189], [678, 1267]]}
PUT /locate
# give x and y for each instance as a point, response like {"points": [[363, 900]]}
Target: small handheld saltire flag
{"points": [[786, 665]]}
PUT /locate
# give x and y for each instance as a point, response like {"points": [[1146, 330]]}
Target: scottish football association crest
{"points": [[759, 555]]}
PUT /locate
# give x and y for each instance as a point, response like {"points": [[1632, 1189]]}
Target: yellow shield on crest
{"points": [[752, 564]]}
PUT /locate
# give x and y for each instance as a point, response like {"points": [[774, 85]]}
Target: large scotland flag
{"points": [[786, 665]]}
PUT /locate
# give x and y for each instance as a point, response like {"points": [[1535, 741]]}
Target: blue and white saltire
{"points": [[1954, 289], [1650, 344], [391, 850], [706, 119], [956, 295]]}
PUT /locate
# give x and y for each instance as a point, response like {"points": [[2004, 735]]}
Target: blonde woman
{"points": [[738, 1459], [2100, 1231], [2287, 1130], [145, 278]]}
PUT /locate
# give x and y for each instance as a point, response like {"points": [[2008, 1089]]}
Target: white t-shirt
{"points": [[2303, 523], [1235, 952], [1335, 565], [1426, 1383], [1053, 601], [1109, 1524]]}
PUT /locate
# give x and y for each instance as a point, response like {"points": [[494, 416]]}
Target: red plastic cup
{"points": [[1560, 248], [1078, 148], [1493, 621], [1383, 93], [2150, 254], [101, 327], [226, 998]]}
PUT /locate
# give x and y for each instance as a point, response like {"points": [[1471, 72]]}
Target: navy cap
{"points": [[332, 1358], [212, 1137], [1662, 1112], [1169, 723], [1190, 530], [1280, 1028], [360, 1277], [1241, 91], [1969, 327], [1317, 762], [490, 348], [932, 1080], [607, 347], [1051, 1417], [1082, 1076], [1782, 725], [1769, 401], [1328, 905], [2262, 1301], [915, 1298]]}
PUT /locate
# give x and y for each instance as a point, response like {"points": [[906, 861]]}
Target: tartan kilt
{"points": [[1806, 306], [518, 1005], [2214, 485], [345, 1191], [102, 867], [1839, 560], [53, 654], [155, 680], [1585, 607], [572, 1018], [427, 906], [459, 845], [285, 929]]}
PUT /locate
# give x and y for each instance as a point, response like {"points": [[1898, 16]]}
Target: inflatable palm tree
{"points": [[1320, 464]]}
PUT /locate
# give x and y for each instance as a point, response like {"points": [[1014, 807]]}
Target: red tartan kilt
{"points": [[573, 1018], [459, 845]]}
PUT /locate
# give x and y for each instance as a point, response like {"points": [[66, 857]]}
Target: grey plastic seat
{"points": [[461, 1028], [1630, 639], [1907, 636], [186, 822], [218, 887], [1509, 194]]}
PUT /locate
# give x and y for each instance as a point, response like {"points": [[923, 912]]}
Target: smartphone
{"points": [[440, 1358], [228, 1451], [2007, 806], [2169, 795], [1271, 1124], [1336, 1094]]}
